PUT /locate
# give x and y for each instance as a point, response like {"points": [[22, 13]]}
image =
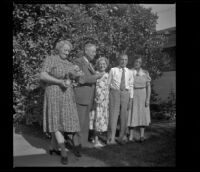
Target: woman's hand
{"points": [[99, 75], [65, 83], [146, 103], [98, 101]]}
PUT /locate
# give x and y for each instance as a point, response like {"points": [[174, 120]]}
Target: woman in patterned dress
{"points": [[60, 112], [99, 116], [139, 114]]}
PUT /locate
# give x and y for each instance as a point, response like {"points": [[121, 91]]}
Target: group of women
{"points": [[60, 113]]}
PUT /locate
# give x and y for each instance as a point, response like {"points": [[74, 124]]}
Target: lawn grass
{"points": [[157, 151]]}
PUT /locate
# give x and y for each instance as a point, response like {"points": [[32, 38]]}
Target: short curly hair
{"points": [[88, 45], [100, 59], [61, 43], [138, 56], [120, 55]]}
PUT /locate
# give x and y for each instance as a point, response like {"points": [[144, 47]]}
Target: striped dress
{"points": [[60, 111]]}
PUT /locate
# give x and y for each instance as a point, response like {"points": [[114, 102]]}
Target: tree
{"points": [[113, 27]]}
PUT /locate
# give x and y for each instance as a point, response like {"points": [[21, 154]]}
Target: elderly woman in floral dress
{"points": [[100, 115], [60, 112]]}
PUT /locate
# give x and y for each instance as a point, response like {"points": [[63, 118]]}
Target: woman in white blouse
{"points": [[139, 114]]}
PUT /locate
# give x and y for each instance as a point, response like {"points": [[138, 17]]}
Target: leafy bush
{"points": [[113, 27], [165, 110]]}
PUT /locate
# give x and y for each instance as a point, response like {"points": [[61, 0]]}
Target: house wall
{"points": [[165, 84]]}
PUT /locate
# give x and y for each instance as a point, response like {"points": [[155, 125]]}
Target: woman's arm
{"points": [[48, 64], [131, 91], [110, 76], [98, 94], [44, 76], [148, 95]]}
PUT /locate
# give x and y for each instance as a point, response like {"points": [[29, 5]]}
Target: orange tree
{"points": [[113, 27]]}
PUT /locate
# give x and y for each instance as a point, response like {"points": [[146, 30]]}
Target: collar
{"points": [[125, 68], [87, 63], [141, 72], [86, 59]]}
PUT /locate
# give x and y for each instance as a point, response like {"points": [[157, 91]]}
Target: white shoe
{"points": [[98, 144], [93, 141]]}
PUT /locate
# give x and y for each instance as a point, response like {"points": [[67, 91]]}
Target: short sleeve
{"points": [[148, 77], [48, 64], [110, 76]]}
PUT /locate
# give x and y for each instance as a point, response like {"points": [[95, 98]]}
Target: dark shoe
{"points": [[132, 141], [121, 142], [64, 160], [51, 151], [111, 142], [76, 151], [142, 139], [69, 143], [88, 145]]}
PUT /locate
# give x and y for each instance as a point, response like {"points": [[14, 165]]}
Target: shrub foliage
{"points": [[113, 27]]}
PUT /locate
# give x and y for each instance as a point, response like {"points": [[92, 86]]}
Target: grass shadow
{"points": [[157, 151]]}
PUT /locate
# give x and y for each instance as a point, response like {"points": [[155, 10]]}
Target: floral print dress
{"points": [[100, 114]]}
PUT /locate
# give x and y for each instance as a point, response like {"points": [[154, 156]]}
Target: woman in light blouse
{"points": [[139, 114]]}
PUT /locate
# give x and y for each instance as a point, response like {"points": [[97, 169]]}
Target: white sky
{"points": [[166, 15]]}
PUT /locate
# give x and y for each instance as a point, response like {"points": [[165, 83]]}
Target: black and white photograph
{"points": [[94, 85]]}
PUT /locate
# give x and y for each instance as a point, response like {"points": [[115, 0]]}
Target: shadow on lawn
{"points": [[157, 151]]}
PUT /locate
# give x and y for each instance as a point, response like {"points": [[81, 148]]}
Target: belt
{"points": [[124, 90], [119, 89], [139, 87]]}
